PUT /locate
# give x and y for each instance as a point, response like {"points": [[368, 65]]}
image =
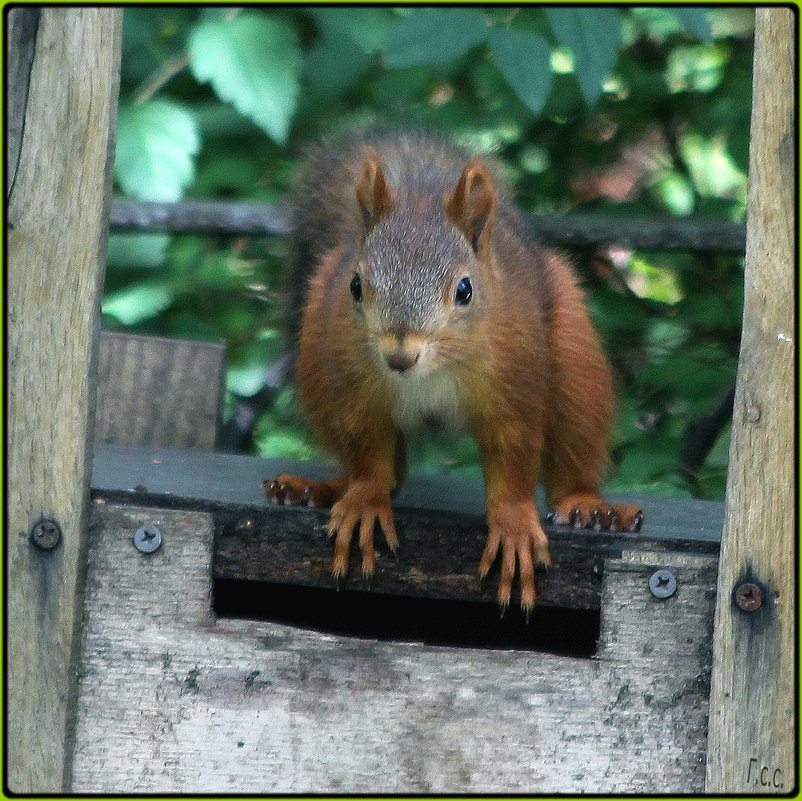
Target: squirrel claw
{"points": [[636, 523]]}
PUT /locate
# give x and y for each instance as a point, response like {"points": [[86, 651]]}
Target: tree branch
{"points": [[564, 230]]}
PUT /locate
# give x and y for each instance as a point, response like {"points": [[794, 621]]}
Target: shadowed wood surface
{"points": [[56, 235], [157, 391], [214, 479], [173, 699], [753, 746], [438, 557]]}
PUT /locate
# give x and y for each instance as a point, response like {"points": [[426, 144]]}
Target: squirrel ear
{"points": [[472, 205], [373, 196]]}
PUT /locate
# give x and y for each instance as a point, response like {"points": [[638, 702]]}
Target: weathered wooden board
{"points": [[438, 557], [174, 700], [221, 478], [157, 391], [753, 738], [60, 154]]}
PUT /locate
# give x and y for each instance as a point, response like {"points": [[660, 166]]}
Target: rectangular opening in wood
{"points": [[371, 615]]}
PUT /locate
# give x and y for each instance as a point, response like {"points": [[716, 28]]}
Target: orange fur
{"points": [[532, 382]]}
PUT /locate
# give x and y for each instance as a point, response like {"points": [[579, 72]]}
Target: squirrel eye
{"points": [[356, 288], [464, 291]]}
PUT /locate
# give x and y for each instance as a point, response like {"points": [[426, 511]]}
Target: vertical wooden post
{"points": [[751, 745], [58, 203]]}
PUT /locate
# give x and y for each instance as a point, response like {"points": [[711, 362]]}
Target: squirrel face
{"points": [[418, 281]]}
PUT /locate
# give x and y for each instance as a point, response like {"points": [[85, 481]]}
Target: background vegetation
{"points": [[631, 112]]}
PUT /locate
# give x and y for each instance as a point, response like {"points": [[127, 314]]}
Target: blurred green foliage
{"points": [[628, 111]]}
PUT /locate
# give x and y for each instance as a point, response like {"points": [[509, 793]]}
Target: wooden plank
{"points": [[173, 699], [752, 722], [217, 479], [157, 391], [438, 557], [57, 218]]}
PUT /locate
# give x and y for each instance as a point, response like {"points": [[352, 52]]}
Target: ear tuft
{"points": [[472, 205], [373, 196]]}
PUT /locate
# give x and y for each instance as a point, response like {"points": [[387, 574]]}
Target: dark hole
{"points": [[567, 632]]}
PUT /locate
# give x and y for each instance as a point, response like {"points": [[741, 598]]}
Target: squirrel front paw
{"points": [[514, 529], [588, 510], [295, 491], [363, 505]]}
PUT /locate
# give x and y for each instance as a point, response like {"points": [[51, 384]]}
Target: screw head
{"points": [[45, 535], [662, 584], [748, 597], [147, 539]]}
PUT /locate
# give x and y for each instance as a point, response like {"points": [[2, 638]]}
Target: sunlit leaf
{"points": [[137, 302], [252, 61], [156, 145], [245, 380]]}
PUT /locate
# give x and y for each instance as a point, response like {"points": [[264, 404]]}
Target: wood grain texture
{"points": [[173, 700], [157, 391], [752, 724], [439, 556], [57, 215]]}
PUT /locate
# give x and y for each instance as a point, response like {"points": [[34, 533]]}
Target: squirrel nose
{"points": [[400, 351], [401, 360]]}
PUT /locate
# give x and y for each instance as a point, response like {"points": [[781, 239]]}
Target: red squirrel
{"points": [[425, 295]]}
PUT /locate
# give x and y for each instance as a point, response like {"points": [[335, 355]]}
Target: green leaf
{"points": [[156, 145], [593, 35], [137, 302], [524, 59], [695, 20], [366, 27], [245, 380], [334, 66], [434, 36], [253, 62], [137, 250]]}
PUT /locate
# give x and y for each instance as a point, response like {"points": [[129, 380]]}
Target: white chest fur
{"points": [[431, 397]]}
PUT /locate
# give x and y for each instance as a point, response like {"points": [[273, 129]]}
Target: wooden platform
{"points": [[178, 696]]}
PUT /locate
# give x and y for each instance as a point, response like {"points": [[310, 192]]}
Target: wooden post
{"points": [[751, 731], [66, 63]]}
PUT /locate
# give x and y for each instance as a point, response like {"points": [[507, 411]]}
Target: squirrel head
{"points": [[423, 258]]}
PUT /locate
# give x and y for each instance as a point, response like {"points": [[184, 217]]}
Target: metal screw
{"points": [[662, 584], [148, 539], [45, 535], [748, 597]]}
